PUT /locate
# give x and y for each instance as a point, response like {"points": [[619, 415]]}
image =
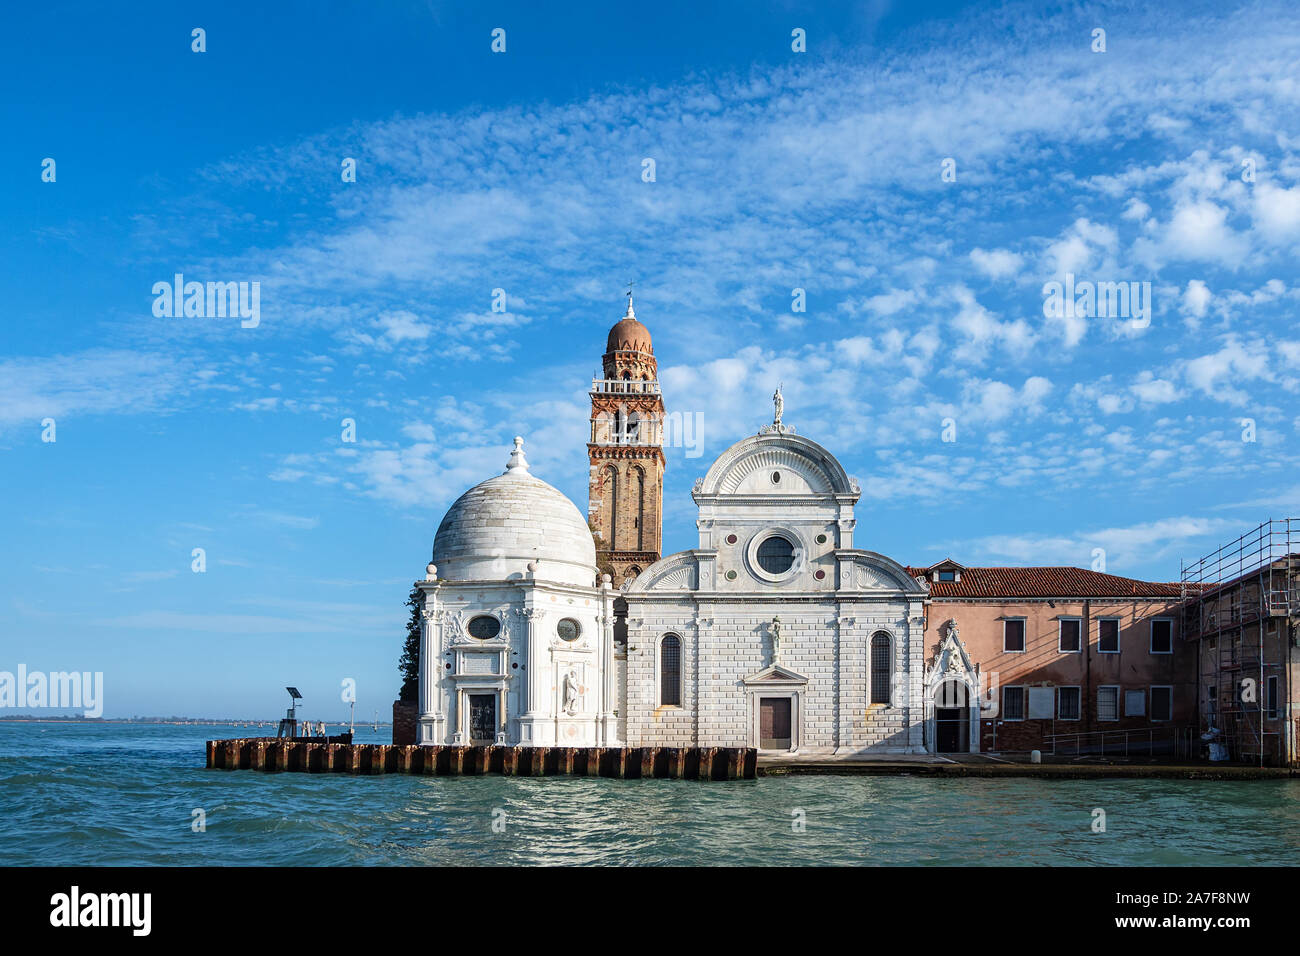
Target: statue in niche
{"points": [[572, 693]]}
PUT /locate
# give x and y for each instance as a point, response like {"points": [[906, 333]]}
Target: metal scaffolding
{"points": [[1234, 599]]}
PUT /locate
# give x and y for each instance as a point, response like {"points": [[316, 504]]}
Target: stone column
{"points": [[845, 661], [430, 661], [608, 727], [534, 657], [914, 628], [703, 632]]}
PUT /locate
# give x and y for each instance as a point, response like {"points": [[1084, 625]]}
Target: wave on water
{"points": [[133, 794]]}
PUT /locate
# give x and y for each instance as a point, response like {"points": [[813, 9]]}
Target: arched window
{"points": [[609, 507], [882, 668], [638, 501], [670, 670]]}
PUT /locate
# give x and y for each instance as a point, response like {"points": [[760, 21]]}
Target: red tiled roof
{"points": [[1044, 583]]}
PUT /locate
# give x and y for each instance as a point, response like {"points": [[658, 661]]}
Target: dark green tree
{"points": [[409, 663]]}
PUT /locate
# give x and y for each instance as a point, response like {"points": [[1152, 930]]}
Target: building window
{"points": [[776, 555], [1162, 635], [947, 575], [1270, 699], [1135, 703], [1067, 703], [568, 629], [670, 671], [882, 668], [1108, 703], [1108, 635], [1162, 702], [1013, 703], [484, 627], [1068, 640], [1013, 635]]}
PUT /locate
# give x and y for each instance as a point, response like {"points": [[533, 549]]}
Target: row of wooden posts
{"points": [[627, 763]]}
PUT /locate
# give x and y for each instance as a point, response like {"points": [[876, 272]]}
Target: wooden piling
{"points": [[270, 754]]}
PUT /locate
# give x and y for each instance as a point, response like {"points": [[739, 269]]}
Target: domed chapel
{"points": [[546, 627]]}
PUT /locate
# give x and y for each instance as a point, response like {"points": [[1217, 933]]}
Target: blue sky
{"points": [[774, 170]]}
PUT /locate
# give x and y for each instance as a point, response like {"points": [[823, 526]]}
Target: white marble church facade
{"points": [[781, 634]]}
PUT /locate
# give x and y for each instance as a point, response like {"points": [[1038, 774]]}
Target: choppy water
{"points": [[125, 795]]}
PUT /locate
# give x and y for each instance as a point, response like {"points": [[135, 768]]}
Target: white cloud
{"points": [[1196, 232], [1196, 298], [1220, 374], [1126, 547], [1277, 212], [997, 263]]}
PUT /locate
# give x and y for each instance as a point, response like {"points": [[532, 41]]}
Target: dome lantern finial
{"points": [[517, 463], [629, 314]]}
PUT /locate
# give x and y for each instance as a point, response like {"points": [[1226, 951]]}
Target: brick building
{"points": [[1054, 651]]}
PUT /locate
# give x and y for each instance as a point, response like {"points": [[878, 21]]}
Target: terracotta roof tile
{"points": [[1044, 583]]}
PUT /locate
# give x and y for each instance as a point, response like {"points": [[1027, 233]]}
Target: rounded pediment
{"points": [[776, 465]]}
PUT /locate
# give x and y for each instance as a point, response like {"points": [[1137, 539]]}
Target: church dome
{"points": [[501, 526], [628, 334]]}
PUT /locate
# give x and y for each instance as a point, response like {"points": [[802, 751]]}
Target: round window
{"points": [[731, 575], [568, 629], [776, 477], [484, 627], [776, 555]]}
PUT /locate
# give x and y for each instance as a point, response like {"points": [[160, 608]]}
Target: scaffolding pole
{"points": [[1248, 583]]}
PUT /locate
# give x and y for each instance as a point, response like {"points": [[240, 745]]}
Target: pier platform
{"points": [[626, 763], [1016, 765]]}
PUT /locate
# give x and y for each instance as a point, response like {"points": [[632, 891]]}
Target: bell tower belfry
{"points": [[625, 494]]}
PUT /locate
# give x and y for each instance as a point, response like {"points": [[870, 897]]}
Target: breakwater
{"points": [[627, 763]]}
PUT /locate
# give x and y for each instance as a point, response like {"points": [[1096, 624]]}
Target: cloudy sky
{"points": [[920, 175]]}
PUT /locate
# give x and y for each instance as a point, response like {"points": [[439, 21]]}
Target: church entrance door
{"points": [[951, 719], [482, 718], [774, 723]]}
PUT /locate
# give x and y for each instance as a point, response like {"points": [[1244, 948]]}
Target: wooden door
{"points": [[774, 723]]}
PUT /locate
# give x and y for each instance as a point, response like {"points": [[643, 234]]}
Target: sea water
{"points": [[138, 794]]}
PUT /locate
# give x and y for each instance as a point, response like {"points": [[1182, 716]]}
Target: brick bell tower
{"points": [[626, 492]]}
